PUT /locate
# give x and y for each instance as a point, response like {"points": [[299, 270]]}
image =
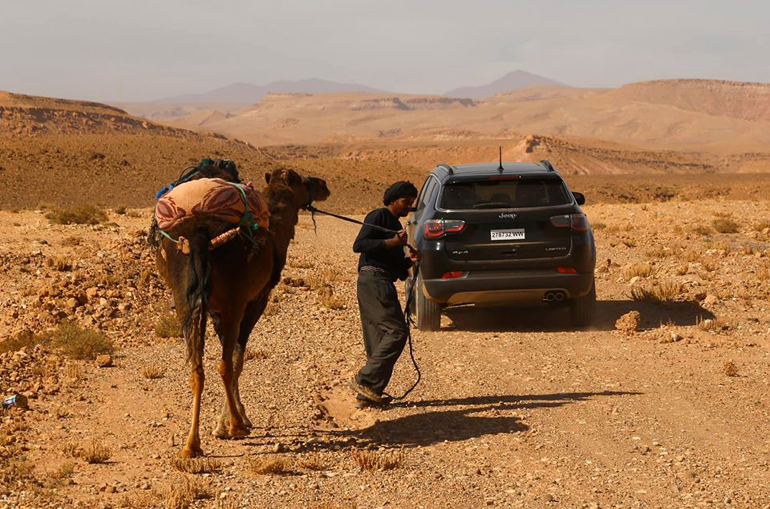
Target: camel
{"points": [[232, 284]]}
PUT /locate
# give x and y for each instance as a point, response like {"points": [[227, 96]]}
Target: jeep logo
{"points": [[507, 215]]}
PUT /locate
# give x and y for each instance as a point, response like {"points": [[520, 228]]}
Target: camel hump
{"points": [[221, 204]]}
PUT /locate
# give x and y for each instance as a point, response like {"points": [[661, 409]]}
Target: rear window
{"points": [[501, 194]]}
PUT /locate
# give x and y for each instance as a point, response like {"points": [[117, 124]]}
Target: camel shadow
{"points": [[556, 319]]}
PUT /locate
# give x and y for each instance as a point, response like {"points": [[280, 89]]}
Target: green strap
{"points": [[168, 236]]}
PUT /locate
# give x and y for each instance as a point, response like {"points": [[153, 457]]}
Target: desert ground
{"points": [[519, 410], [663, 403]]}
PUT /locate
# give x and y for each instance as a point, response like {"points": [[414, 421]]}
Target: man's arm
{"points": [[365, 243]]}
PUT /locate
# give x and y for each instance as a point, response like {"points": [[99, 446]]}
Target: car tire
{"points": [[582, 310], [428, 312]]}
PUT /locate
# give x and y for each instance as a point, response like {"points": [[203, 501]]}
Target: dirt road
{"points": [[516, 408]]}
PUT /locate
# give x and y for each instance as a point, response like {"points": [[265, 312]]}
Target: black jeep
{"points": [[498, 235]]}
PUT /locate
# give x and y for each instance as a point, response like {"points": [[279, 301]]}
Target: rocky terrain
{"points": [[664, 402]]}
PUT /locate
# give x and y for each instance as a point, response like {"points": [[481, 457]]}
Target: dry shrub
{"points": [[120, 210], [665, 291], [730, 369], [657, 252], [692, 256], [75, 373], [71, 241], [153, 371], [598, 226], [748, 250], [69, 449], [377, 460], [725, 225], [65, 471], [640, 269], [329, 300], [81, 214], [710, 265], [95, 452], [79, 343], [315, 462], [712, 325], [168, 326], [196, 465], [181, 494], [254, 354], [702, 230], [24, 339], [270, 465], [59, 264]]}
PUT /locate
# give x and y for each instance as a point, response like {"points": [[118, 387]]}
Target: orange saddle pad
{"points": [[211, 198]]}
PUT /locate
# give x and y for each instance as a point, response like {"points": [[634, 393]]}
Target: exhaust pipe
{"points": [[559, 296], [549, 296]]}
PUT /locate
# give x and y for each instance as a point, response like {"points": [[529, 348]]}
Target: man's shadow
{"points": [[482, 416], [556, 319]]}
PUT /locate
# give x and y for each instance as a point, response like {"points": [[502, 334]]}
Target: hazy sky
{"points": [[146, 49]]}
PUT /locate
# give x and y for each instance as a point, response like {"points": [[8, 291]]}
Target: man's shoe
{"points": [[367, 392], [362, 403]]}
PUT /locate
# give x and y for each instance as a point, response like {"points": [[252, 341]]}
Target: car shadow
{"points": [[556, 319]]}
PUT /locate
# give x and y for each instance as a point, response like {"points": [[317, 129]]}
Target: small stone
{"points": [[104, 361]]}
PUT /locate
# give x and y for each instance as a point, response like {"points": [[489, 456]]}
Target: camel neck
{"points": [[283, 218]]}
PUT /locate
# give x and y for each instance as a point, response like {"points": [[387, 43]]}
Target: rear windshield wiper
{"points": [[492, 205]]}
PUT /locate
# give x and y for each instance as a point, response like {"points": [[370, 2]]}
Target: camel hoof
{"points": [[191, 452], [238, 432], [247, 423], [221, 432]]}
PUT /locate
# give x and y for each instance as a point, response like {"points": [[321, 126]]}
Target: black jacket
{"points": [[371, 244]]}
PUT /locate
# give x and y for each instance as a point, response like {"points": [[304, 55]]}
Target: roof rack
{"points": [[447, 167], [547, 165]]}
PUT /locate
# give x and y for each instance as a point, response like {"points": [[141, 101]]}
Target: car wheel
{"points": [[428, 312], [582, 310]]}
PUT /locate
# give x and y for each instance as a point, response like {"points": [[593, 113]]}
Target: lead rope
{"points": [[409, 293]]}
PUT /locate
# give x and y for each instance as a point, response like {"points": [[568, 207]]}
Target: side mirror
{"points": [[579, 198]]}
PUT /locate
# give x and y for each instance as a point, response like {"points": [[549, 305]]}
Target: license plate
{"points": [[514, 234]]}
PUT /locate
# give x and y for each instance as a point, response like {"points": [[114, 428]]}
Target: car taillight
{"points": [[576, 222], [437, 228], [566, 270], [452, 275]]}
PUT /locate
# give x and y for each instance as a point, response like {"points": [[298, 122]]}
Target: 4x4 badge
{"points": [[507, 215]]}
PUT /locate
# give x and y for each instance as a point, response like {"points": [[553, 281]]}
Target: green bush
{"points": [[79, 343]]}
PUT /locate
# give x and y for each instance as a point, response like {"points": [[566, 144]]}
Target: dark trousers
{"points": [[384, 328]]}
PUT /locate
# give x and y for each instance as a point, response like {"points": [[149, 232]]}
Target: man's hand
{"points": [[415, 255], [397, 240]]}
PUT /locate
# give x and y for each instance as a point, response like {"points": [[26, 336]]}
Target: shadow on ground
{"points": [[556, 319], [481, 416]]}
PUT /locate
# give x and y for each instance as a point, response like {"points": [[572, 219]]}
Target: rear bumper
{"points": [[502, 287]]}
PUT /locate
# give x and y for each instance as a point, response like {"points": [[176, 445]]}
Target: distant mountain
{"points": [[250, 93], [514, 80]]}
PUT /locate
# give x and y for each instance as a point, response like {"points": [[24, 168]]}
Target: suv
{"points": [[501, 234]]}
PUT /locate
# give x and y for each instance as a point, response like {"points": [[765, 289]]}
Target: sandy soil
{"points": [[516, 409]]}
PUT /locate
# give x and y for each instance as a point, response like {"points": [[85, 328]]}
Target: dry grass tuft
{"points": [[640, 269], [710, 265], [120, 210], [329, 300], [95, 452], [69, 449], [267, 465], [71, 241], [598, 226], [725, 225], [79, 343], [730, 369], [59, 264], [377, 460], [182, 494], [712, 325], [81, 214], [315, 462], [658, 252], [168, 326], [64, 471], [196, 465], [24, 339], [153, 371], [665, 291]]}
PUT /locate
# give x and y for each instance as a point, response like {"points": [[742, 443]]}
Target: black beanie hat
{"points": [[400, 189]]}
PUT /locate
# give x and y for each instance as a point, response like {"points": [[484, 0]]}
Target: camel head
{"points": [[305, 190]]}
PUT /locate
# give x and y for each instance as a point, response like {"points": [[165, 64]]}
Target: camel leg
{"points": [[192, 448], [226, 371], [238, 369]]}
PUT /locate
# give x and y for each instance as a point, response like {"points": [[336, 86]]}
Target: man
{"points": [[382, 262]]}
